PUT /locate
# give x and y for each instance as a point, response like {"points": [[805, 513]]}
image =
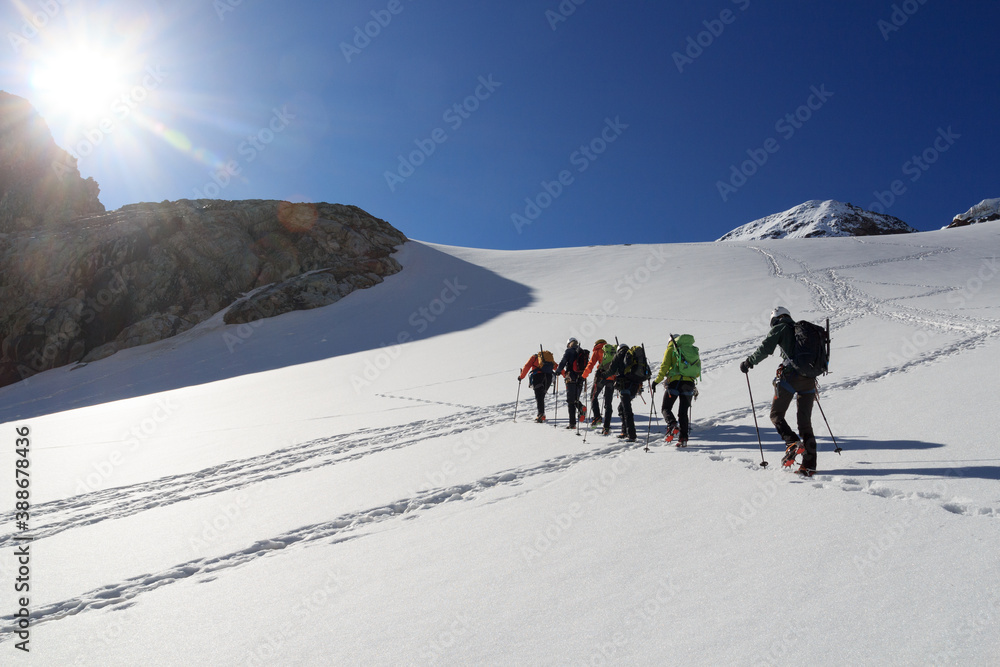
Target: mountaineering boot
{"points": [[791, 452], [540, 419], [672, 431], [605, 431], [682, 442], [596, 421], [571, 426], [805, 472]]}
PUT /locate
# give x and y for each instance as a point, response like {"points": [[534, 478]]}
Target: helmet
{"points": [[778, 312], [623, 346], [600, 342], [572, 342]]}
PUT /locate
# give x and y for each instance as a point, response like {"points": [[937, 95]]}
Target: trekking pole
{"points": [[649, 424], [836, 446], [555, 413], [517, 401], [579, 403], [763, 463]]}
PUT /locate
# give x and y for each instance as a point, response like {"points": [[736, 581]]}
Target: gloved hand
{"points": [[696, 393], [519, 378], [746, 366], [654, 389]]}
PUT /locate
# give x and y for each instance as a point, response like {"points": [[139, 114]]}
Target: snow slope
{"points": [[348, 485], [819, 218]]}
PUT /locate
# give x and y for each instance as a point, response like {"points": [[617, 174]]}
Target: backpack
{"points": [[636, 367], [546, 362], [582, 359], [687, 360], [608, 357], [811, 355]]}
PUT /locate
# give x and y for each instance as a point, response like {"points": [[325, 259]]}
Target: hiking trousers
{"points": [[602, 386], [573, 388], [684, 390], [786, 386], [541, 386]]}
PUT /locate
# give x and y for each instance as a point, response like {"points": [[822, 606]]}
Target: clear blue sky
{"points": [[669, 97]]}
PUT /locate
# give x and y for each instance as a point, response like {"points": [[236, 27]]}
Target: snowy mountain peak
{"points": [[819, 218], [984, 211]]}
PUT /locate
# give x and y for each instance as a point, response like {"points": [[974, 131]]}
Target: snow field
{"points": [[294, 510]]}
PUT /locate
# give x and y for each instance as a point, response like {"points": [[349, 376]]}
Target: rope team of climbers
{"points": [[621, 370]]}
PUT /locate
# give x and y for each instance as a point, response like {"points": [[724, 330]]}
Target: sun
{"points": [[81, 82]]}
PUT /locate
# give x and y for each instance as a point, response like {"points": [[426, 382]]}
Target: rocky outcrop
{"points": [[985, 211], [40, 185], [817, 218], [84, 290]]}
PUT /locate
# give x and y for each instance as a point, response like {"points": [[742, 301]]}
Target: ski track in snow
{"points": [[119, 502], [830, 292]]}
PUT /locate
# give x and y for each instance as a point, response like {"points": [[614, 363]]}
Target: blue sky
{"points": [[576, 124]]}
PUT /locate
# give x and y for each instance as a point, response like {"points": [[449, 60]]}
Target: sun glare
{"points": [[81, 82]]}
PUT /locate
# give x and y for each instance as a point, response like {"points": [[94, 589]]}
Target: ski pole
{"points": [[579, 404], [836, 446], [763, 463], [517, 401]]}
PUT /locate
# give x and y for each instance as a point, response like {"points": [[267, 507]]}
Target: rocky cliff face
{"points": [[79, 284], [40, 185], [145, 272], [985, 211], [819, 218]]}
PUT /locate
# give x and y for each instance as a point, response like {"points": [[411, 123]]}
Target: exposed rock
{"points": [[819, 218], [985, 211], [40, 185], [84, 290]]}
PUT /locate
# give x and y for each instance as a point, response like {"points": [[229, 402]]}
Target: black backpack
{"points": [[638, 369], [581, 361], [811, 356]]}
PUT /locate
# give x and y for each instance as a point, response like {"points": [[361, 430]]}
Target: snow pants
{"points": [[684, 390], [627, 393], [601, 405], [573, 388], [541, 383], [786, 386]]}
